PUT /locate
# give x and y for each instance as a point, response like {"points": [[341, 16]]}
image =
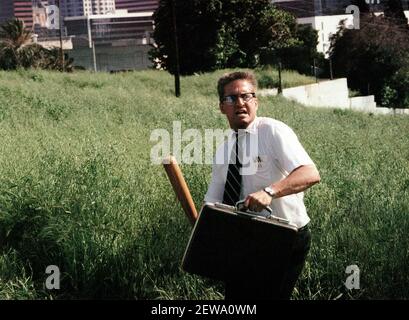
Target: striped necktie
{"points": [[233, 180]]}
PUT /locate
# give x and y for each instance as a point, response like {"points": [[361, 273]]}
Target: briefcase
{"points": [[227, 242]]}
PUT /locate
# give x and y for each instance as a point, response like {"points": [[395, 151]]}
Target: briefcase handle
{"points": [[240, 205], [239, 208]]}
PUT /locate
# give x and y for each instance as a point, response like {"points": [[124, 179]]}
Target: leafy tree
{"points": [[259, 28], [301, 55], [16, 46], [52, 60], [197, 25], [218, 34], [395, 93], [17, 50], [394, 11], [370, 56]]}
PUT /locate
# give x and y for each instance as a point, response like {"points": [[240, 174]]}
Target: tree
{"points": [[259, 29], [394, 11], [395, 93], [16, 46], [17, 50], [370, 56], [218, 34], [52, 61], [301, 55], [197, 25]]}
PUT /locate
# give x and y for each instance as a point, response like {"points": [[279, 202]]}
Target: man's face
{"points": [[239, 113]]}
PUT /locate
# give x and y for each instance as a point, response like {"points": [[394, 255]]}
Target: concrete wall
{"points": [[55, 43], [323, 94], [112, 58], [332, 94], [398, 111], [364, 104], [391, 111]]}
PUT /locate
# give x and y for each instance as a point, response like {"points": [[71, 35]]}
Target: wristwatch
{"points": [[270, 191]]}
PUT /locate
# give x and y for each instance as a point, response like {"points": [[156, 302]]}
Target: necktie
{"points": [[233, 180]]}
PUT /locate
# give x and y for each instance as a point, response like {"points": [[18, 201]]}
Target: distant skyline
{"points": [[33, 12], [137, 5], [23, 9], [72, 8]]}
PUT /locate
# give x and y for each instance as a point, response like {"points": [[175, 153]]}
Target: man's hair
{"points": [[230, 77]]}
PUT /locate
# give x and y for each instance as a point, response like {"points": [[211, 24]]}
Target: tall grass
{"points": [[268, 78], [78, 190]]}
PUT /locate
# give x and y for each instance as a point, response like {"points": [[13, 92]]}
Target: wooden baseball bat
{"points": [[180, 187]]}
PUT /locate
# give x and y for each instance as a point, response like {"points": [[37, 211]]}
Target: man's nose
{"points": [[239, 101]]}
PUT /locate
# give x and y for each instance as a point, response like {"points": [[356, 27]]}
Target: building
{"points": [[326, 26], [74, 8], [309, 8], [137, 5], [34, 15], [6, 10], [40, 19], [23, 10], [111, 42], [68, 8], [326, 15], [19, 9], [111, 27], [100, 36]]}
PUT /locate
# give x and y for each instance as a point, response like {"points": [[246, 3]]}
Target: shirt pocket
{"points": [[263, 173]]}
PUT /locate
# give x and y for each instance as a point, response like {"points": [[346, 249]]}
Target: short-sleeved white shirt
{"points": [[278, 153]]}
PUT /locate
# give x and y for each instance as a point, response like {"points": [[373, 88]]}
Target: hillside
{"points": [[78, 189]]}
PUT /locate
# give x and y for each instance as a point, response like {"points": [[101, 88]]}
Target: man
{"points": [[283, 171]]}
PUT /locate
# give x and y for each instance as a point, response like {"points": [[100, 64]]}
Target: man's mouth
{"points": [[239, 112]]}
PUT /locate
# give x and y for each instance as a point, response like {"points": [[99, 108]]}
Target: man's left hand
{"points": [[258, 201]]}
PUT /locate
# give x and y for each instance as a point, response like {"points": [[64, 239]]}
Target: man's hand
{"points": [[298, 180], [258, 201]]}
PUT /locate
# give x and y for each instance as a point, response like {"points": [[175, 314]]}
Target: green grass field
{"points": [[78, 190]]}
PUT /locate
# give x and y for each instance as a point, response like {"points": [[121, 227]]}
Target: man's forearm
{"points": [[297, 181]]}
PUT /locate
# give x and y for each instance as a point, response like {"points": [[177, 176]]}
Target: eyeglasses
{"points": [[232, 99]]}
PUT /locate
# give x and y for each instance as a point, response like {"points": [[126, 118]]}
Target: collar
{"points": [[251, 129]]}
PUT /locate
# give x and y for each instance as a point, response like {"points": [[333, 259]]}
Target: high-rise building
{"points": [[111, 42], [137, 5], [76, 8], [6, 10], [23, 10], [19, 9]]}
